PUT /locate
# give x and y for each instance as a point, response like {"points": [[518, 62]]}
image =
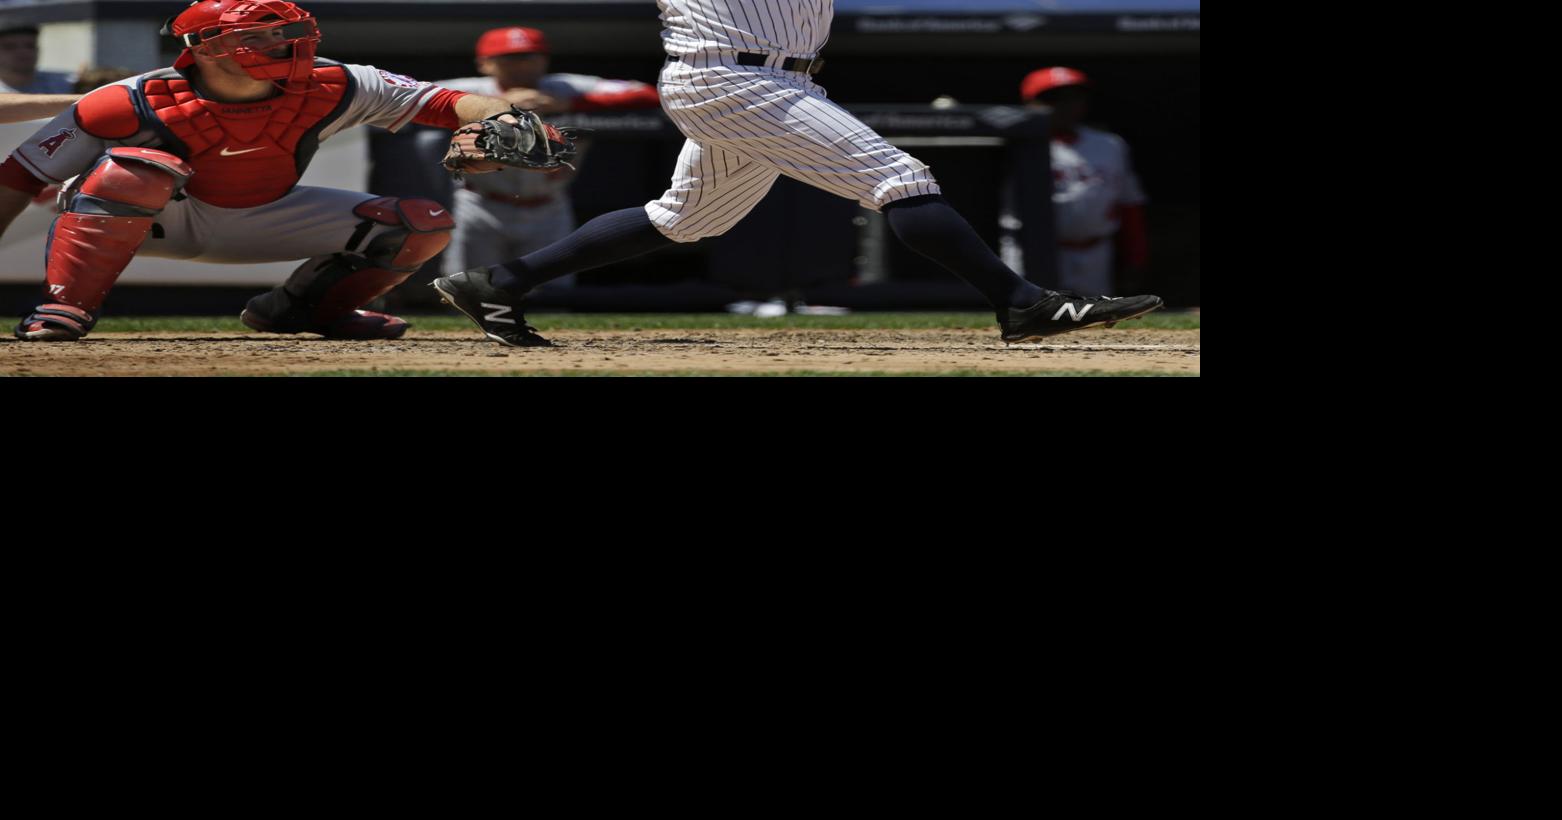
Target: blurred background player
{"points": [[90, 79], [1097, 199], [509, 214], [19, 63], [24, 107]]}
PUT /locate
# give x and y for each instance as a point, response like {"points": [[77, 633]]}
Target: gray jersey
{"points": [[794, 28], [304, 222], [62, 149]]}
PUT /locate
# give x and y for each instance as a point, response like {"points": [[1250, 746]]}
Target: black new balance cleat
{"points": [[1063, 311], [495, 311]]}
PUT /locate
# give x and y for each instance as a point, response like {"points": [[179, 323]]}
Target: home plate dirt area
{"points": [[717, 351]]}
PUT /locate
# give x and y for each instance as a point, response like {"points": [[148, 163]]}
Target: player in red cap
{"points": [[501, 216], [202, 160], [1097, 200]]}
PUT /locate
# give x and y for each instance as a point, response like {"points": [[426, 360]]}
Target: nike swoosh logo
{"points": [[227, 153], [436, 213]]}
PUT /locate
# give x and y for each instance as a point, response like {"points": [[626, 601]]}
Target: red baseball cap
{"points": [[513, 40], [1047, 79]]}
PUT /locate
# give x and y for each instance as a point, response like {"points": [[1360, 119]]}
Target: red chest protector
{"points": [[244, 154]]}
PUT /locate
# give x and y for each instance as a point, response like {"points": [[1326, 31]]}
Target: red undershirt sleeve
{"points": [[440, 110], [17, 178]]}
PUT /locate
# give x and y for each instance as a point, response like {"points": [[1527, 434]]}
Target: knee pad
{"points": [[127, 182], [106, 215], [421, 229]]}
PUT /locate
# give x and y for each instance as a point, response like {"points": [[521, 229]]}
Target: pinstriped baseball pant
{"points": [[746, 126]]}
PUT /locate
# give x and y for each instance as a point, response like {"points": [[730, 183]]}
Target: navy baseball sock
{"points": [[929, 226], [611, 237]]}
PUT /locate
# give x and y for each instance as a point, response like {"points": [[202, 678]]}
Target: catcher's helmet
{"points": [[251, 32]]}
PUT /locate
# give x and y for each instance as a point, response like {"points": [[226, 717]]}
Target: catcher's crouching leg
{"points": [[324, 294], [107, 214]]}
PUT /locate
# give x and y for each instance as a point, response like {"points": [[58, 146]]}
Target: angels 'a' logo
{"points": [[399, 79], [52, 144]]}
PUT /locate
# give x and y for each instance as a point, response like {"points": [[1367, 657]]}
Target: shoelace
{"points": [[522, 329], [1083, 298]]}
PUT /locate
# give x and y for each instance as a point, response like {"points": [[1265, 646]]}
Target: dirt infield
{"points": [[648, 352]]}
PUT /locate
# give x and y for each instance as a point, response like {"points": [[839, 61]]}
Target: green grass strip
{"points": [[653, 321]]}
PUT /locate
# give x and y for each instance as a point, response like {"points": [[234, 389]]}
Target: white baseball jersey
{"points": [[700, 28], [1091, 176], [746, 125]]}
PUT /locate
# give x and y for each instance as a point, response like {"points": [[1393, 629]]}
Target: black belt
{"points": [[747, 58]]}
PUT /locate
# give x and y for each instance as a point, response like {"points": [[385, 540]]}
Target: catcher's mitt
{"points": [[495, 144]]}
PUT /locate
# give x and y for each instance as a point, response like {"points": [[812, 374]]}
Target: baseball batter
{"points": [[502, 216], [1097, 200], [202, 160], [739, 83]]}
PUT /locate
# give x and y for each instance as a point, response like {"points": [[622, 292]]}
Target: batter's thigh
{"points": [[797, 131], [712, 190], [306, 223]]}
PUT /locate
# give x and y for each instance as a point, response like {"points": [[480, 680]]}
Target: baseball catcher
{"points": [[201, 161]]}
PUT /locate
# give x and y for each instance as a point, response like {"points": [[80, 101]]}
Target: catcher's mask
{"points": [[271, 39]]}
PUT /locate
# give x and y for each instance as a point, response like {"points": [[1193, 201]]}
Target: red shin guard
{"points": [[423, 230], [108, 214], [324, 294], [87, 253]]}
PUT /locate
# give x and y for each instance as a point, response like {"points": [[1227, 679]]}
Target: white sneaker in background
{"points": [[745, 308], [773, 309], [820, 310]]}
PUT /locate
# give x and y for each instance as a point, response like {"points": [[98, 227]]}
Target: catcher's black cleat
{"points": [[496, 311], [1064, 310]]}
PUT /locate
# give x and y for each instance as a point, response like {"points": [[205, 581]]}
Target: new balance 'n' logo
{"points": [[497, 312], [1074, 313]]}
